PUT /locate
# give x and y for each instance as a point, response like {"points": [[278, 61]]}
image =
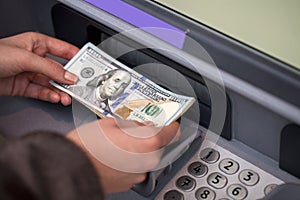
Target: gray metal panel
{"points": [[19, 116]]}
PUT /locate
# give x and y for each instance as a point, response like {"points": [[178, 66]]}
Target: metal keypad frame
{"points": [[221, 175]]}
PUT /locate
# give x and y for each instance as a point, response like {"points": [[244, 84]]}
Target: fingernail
{"points": [[71, 77]]}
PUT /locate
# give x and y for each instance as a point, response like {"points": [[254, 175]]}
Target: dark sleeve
{"points": [[46, 166]]}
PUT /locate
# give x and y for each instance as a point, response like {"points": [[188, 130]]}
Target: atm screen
{"points": [[269, 26]]}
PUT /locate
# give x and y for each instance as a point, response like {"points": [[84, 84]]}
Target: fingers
{"points": [[168, 133], [41, 44], [46, 94], [65, 99], [42, 80], [111, 145], [134, 134], [37, 86], [34, 63], [29, 50], [54, 46], [42, 93]]}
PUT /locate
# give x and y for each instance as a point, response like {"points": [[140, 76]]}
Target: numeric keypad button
{"points": [[205, 193], [209, 155], [229, 166], [173, 195], [237, 191], [269, 188], [249, 177], [217, 180], [186, 183], [197, 169]]}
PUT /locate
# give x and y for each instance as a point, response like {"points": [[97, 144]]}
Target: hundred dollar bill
{"points": [[111, 89]]}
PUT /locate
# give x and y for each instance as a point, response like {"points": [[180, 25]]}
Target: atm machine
{"points": [[248, 100]]}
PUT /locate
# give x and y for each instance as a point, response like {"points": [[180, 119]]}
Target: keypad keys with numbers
{"points": [[173, 195], [209, 155], [197, 169], [249, 177], [217, 180], [186, 183], [218, 176], [229, 166], [205, 193], [237, 191]]}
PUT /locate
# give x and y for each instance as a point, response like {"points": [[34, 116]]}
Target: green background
{"points": [[272, 26]]}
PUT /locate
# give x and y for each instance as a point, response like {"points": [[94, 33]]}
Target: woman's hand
{"points": [[25, 69], [121, 159]]}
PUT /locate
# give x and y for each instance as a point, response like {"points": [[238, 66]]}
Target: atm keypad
{"points": [[217, 180], [173, 195], [209, 155], [237, 191], [205, 193], [215, 174], [248, 177], [269, 188], [186, 183], [197, 169], [229, 166]]}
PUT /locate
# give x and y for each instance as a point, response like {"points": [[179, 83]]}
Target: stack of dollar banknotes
{"points": [[111, 89]]}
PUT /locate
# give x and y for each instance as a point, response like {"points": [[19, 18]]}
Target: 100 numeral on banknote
{"points": [[109, 88]]}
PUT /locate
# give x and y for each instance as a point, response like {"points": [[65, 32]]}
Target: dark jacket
{"points": [[46, 166]]}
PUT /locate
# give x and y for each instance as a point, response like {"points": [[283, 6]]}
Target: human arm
{"points": [[118, 172], [45, 165], [25, 69]]}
